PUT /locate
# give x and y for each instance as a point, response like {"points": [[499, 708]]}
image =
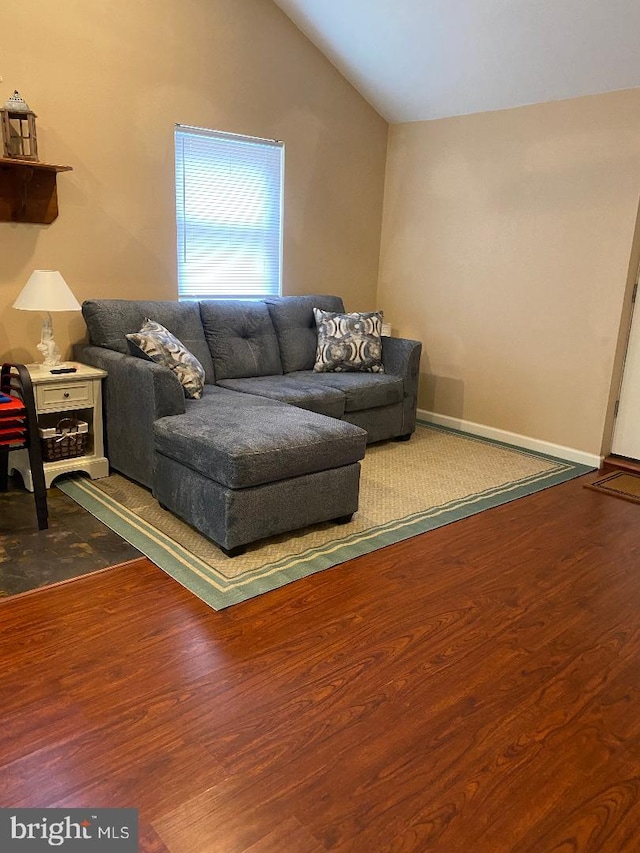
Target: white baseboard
{"points": [[568, 453]]}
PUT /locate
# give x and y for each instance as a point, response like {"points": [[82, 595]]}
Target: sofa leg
{"points": [[343, 519], [233, 552], [405, 437]]}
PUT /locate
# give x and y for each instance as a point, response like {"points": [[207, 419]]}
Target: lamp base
{"points": [[47, 346]]}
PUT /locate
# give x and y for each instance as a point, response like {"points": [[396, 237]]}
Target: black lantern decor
{"points": [[19, 129]]}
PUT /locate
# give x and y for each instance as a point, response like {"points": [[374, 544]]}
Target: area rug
{"points": [[621, 484], [406, 488]]}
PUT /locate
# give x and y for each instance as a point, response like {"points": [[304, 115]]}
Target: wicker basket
{"points": [[66, 440]]}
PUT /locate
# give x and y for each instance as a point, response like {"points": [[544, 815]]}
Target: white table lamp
{"points": [[47, 291]]}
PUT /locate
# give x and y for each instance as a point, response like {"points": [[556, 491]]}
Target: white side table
{"points": [[60, 395]]}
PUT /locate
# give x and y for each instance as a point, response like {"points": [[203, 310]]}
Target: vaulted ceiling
{"points": [[425, 59]]}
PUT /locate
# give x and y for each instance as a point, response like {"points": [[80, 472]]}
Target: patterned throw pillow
{"points": [[158, 344], [348, 342]]}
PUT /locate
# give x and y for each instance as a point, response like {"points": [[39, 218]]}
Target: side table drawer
{"points": [[73, 395]]}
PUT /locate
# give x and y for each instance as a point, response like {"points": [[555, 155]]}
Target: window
{"points": [[229, 214]]}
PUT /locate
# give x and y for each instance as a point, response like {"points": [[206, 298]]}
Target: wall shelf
{"points": [[28, 190]]}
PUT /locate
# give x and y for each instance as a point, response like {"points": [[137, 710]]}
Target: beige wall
{"points": [[506, 236], [506, 244], [108, 81]]}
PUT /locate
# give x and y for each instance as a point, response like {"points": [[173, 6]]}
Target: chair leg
{"points": [[40, 495], [39, 485], [4, 469]]}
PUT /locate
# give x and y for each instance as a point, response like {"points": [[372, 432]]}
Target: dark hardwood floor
{"points": [[473, 689]]}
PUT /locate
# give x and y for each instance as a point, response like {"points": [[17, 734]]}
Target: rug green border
{"points": [[220, 592]]}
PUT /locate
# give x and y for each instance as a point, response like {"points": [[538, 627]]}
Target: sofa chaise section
{"points": [[240, 467]]}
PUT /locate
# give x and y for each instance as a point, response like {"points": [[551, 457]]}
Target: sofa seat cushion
{"points": [[361, 390], [295, 325], [241, 338], [293, 389], [241, 440]]}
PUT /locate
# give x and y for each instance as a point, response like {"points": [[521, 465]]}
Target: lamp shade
{"points": [[46, 290]]}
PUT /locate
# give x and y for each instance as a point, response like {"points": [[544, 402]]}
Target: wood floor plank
{"points": [[237, 816], [290, 836], [474, 688], [141, 758]]}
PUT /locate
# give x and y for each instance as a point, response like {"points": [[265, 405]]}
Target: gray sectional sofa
{"points": [[272, 446]]}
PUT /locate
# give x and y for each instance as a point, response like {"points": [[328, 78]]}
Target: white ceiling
{"points": [[424, 59]]}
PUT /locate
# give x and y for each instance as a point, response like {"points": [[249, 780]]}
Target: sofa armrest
{"points": [[136, 393], [401, 357]]}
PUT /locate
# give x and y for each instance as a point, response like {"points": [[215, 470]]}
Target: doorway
{"points": [[626, 431]]}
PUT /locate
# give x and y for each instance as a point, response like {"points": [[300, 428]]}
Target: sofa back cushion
{"points": [[109, 320], [295, 326], [241, 338]]}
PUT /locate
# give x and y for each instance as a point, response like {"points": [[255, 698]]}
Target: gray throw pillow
{"points": [[158, 344], [348, 342]]}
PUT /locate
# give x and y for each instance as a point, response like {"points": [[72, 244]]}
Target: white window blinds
{"points": [[229, 214]]}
